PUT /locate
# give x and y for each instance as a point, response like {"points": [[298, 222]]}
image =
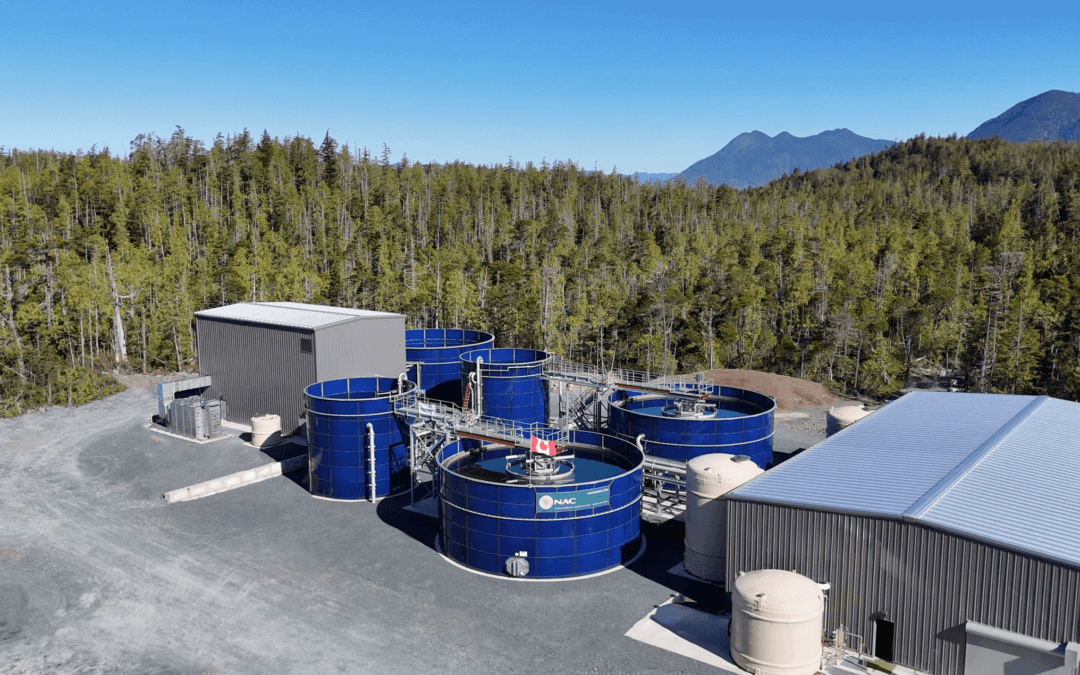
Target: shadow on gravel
{"points": [[663, 552], [284, 451], [422, 528]]}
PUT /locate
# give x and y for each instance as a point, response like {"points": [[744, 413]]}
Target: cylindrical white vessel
{"points": [[776, 623], [844, 416], [265, 429], [708, 479]]}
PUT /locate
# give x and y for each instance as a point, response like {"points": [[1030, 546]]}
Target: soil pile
{"points": [[789, 392]]}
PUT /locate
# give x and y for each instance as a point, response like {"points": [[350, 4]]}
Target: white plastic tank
{"points": [[844, 416], [776, 623], [265, 430], [708, 479]]}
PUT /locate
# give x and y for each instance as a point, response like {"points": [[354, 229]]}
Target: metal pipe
{"points": [[371, 460], [412, 466], [479, 386]]}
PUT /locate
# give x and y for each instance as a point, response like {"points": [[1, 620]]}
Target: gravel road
{"points": [[99, 575]]}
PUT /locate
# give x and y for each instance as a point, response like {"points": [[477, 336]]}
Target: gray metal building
{"points": [[948, 526], [261, 355]]}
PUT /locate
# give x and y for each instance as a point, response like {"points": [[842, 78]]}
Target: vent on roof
{"points": [[305, 345]]}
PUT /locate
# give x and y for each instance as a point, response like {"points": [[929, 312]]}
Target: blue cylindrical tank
{"points": [[741, 425], [511, 383], [589, 524], [434, 358], [338, 414]]}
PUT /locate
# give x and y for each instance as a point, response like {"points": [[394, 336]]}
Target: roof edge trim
{"points": [[942, 487]]}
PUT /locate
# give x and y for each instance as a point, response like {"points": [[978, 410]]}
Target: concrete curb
{"points": [[235, 480]]}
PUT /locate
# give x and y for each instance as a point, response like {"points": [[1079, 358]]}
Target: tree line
{"points": [[939, 257]]}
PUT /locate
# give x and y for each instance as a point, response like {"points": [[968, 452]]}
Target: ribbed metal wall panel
{"points": [[368, 347], [929, 582], [257, 369]]}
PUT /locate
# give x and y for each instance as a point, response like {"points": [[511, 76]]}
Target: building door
{"points": [[884, 637]]}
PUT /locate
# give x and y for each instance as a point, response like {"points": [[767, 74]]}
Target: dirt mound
{"points": [[789, 392]]}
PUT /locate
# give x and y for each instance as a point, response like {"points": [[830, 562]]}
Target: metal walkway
{"points": [[584, 396], [435, 424], [561, 370]]}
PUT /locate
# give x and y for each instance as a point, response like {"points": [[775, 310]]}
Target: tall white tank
{"points": [[776, 623], [708, 478], [844, 416]]}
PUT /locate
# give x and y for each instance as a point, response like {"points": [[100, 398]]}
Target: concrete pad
{"points": [[684, 630]]}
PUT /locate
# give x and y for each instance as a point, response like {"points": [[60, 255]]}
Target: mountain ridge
{"points": [[754, 158], [1053, 115]]}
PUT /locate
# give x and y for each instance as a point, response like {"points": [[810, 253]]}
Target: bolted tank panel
{"points": [[434, 357], [510, 383], [338, 415], [732, 421], [776, 623], [497, 520]]}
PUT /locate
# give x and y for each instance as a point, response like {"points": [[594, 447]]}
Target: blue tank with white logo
{"points": [[503, 510]]}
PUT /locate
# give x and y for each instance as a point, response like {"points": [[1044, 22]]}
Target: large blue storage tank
{"points": [[732, 421], [338, 415], [490, 511], [434, 357], [511, 383]]}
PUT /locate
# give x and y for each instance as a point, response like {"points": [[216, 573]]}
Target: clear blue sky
{"points": [[644, 87]]}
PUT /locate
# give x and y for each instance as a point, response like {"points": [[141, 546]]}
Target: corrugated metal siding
{"points": [[366, 347], [257, 369], [929, 582]]}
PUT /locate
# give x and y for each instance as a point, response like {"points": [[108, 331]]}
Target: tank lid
{"points": [[777, 594], [721, 468], [849, 413]]}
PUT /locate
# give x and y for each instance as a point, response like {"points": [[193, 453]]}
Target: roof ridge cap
{"points": [[968, 464]]}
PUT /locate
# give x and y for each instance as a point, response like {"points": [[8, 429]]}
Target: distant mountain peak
{"points": [[1051, 116], [755, 158]]}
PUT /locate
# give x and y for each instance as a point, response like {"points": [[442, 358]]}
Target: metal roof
{"points": [[323, 308], [1004, 469], [290, 314]]}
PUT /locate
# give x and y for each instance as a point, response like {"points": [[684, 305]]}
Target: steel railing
{"points": [[558, 368]]}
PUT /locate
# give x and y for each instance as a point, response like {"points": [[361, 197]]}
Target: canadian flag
{"points": [[543, 447]]}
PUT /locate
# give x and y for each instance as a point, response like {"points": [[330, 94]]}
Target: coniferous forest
{"points": [[945, 256]]}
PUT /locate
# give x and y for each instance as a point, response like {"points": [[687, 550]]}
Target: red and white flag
{"points": [[543, 447]]}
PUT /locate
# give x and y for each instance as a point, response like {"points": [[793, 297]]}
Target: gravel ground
{"points": [[790, 393], [99, 575], [148, 380]]}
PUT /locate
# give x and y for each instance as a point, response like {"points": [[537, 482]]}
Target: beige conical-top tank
{"points": [[844, 416], [265, 430], [708, 479], [776, 623]]}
